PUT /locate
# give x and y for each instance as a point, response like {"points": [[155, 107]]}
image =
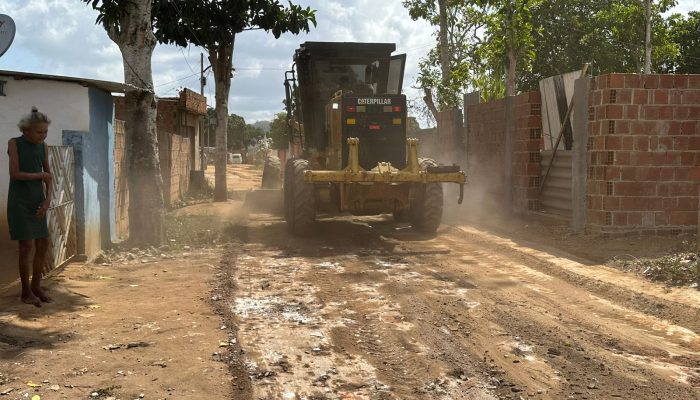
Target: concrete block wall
{"points": [[527, 143], [644, 153]]}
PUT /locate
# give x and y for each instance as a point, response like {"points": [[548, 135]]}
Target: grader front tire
{"points": [[426, 210], [299, 198]]}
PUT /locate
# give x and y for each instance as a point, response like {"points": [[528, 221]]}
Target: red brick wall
{"points": [[486, 132], [644, 153], [166, 123], [527, 143], [193, 102], [486, 145], [173, 149], [179, 167], [173, 143]]}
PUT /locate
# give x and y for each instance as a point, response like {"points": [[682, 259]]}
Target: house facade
{"points": [[82, 115]]}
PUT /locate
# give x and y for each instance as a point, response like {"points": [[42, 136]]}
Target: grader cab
{"points": [[347, 132]]}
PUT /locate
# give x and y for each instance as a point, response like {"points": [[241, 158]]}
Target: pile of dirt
{"points": [[206, 224], [677, 269]]}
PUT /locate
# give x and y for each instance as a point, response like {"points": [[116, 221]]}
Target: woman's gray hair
{"points": [[34, 117]]}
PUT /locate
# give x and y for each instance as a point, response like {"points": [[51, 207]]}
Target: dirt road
{"points": [[363, 310]]}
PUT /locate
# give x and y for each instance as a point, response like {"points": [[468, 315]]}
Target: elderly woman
{"points": [[28, 200]]}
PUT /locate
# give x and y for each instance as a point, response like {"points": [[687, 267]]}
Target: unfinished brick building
{"points": [[178, 146], [636, 154]]}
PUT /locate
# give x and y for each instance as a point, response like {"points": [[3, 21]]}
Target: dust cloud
{"points": [[483, 192]]}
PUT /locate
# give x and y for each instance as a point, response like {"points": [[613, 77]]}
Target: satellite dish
{"points": [[7, 33]]}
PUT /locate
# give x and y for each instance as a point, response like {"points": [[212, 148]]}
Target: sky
{"points": [[60, 37]]}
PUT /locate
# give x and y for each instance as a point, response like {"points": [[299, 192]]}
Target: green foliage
{"points": [[608, 34], [213, 23], [110, 13], [253, 135], [235, 132], [685, 34], [480, 34], [510, 38], [412, 126], [464, 20], [278, 131], [551, 37]]}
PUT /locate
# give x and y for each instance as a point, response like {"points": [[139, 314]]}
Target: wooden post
{"points": [[697, 278]]}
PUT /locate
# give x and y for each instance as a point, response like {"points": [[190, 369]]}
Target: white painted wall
{"points": [[66, 103]]}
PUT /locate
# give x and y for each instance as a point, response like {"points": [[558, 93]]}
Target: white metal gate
{"points": [[61, 214]]}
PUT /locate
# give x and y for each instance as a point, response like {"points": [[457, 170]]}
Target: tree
{"points": [[608, 33], [213, 25], [685, 33], [128, 24], [481, 44], [412, 126], [510, 41], [450, 66], [235, 132], [647, 37], [278, 131], [252, 134]]}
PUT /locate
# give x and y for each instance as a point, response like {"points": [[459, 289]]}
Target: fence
{"points": [[61, 213], [121, 188]]}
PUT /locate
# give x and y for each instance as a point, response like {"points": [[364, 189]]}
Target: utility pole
{"points": [[647, 40], [201, 74]]}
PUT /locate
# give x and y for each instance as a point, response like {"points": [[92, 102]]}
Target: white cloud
{"points": [[60, 37]]}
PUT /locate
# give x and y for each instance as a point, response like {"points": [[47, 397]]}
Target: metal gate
{"points": [[61, 213], [556, 192]]}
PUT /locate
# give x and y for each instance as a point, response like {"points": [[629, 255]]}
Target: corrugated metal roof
{"points": [[104, 85]]}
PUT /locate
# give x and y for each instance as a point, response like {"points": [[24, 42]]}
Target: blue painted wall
{"points": [[94, 181], [102, 160]]}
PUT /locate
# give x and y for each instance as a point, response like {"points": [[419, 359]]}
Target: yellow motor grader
{"points": [[347, 132]]}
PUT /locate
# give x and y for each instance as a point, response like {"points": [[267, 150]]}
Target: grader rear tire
{"points": [[299, 198], [426, 210]]}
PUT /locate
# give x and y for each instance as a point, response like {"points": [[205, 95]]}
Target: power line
{"points": [[177, 80], [259, 69], [176, 87], [188, 63]]}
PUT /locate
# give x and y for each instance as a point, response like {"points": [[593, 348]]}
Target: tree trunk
{"points": [[445, 55], [430, 103], [221, 60], [511, 70], [146, 211], [647, 39]]}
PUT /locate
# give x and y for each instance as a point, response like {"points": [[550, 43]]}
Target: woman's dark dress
{"points": [[25, 197]]}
